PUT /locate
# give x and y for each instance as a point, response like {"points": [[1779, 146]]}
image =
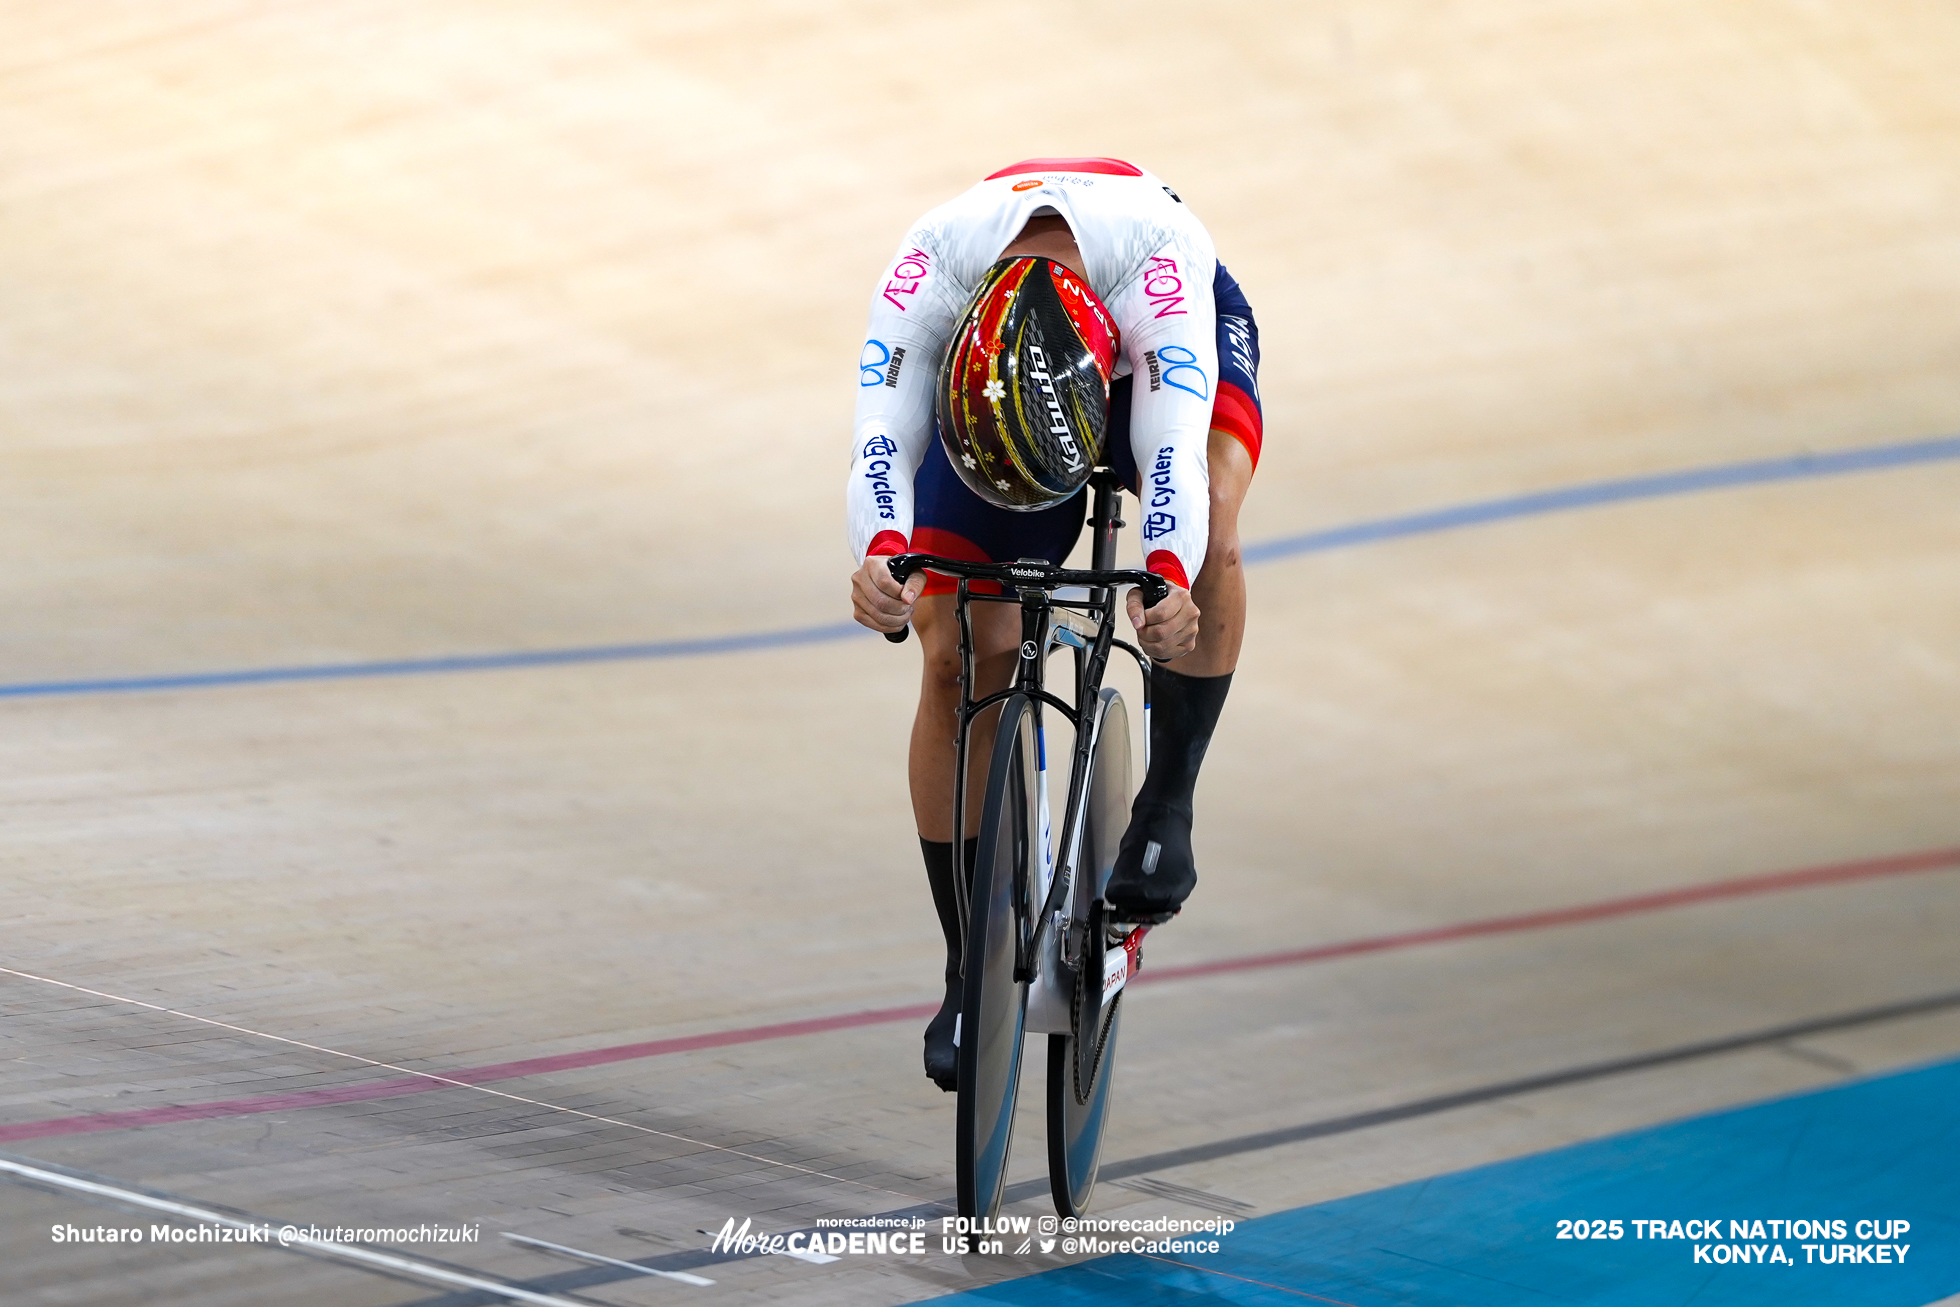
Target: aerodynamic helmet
{"points": [[1023, 394]]}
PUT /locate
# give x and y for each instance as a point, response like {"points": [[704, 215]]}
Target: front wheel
{"points": [[993, 1009], [1081, 1064]]}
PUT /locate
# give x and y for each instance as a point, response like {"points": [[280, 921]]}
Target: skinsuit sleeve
{"points": [[897, 368], [1168, 322]]}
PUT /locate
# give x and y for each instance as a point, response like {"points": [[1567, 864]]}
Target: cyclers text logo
{"points": [[1057, 423], [907, 276], [878, 452], [1161, 495]]}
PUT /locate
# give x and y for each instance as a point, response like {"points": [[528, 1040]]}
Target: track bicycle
{"points": [[1040, 953]]}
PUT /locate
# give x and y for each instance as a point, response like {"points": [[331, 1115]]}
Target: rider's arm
{"points": [[897, 369], [1168, 323]]}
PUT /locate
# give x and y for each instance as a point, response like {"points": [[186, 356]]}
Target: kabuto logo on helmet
{"points": [[1057, 423], [1023, 394]]}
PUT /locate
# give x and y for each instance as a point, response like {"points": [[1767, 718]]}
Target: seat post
{"points": [[1104, 518]]}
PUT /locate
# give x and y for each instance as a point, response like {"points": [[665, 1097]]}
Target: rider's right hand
{"points": [[880, 602]]}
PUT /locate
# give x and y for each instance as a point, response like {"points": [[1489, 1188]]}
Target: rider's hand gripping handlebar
{"points": [[1026, 574]]}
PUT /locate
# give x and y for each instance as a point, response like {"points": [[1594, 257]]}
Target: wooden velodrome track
{"points": [[339, 333]]}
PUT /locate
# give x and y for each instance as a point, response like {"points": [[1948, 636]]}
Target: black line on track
{"points": [[1510, 1088], [568, 1281]]}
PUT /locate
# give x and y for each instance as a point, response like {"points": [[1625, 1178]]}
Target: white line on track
{"points": [[682, 1276], [462, 1084], [392, 1263]]}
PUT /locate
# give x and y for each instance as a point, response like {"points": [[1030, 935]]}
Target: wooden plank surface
{"points": [[334, 332]]}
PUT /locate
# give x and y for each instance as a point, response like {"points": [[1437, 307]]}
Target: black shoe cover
{"points": [[942, 1054], [1154, 872]]}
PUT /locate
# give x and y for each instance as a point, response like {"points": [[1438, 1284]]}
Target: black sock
{"points": [[939, 874], [941, 1058], [1183, 713]]}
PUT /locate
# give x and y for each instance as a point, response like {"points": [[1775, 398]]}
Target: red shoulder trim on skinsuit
{"points": [[1112, 167], [1234, 413], [1164, 563]]}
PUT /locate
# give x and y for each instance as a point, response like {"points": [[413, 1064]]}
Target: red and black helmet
{"points": [[1024, 391]]}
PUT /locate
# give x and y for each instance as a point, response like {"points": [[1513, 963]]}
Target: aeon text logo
{"points": [[1163, 287], [907, 276]]}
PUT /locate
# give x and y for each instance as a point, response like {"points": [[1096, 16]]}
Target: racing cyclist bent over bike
{"points": [[1060, 314]]}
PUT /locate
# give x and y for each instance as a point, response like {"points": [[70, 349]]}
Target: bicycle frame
{"points": [[1087, 627]]}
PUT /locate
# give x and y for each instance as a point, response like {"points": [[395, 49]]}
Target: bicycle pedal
{"points": [[1122, 961], [1121, 925]]}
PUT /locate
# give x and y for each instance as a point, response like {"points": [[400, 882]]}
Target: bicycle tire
{"points": [[993, 1007], [1081, 1070]]}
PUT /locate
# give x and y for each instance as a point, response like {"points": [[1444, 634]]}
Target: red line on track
{"points": [[1832, 874], [1836, 873], [76, 1125]]}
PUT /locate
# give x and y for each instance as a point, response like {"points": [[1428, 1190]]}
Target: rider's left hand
{"points": [[1170, 630]]}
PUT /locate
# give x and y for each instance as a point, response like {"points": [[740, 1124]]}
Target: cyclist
{"points": [[1148, 356]]}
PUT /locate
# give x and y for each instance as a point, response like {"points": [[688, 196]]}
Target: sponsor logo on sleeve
{"points": [[1163, 286], [871, 362], [898, 361], [1174, 365], [907, 276], [1158, 523], [1238, 342], [1027, 185], [1181, 370], [878, 453]]}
